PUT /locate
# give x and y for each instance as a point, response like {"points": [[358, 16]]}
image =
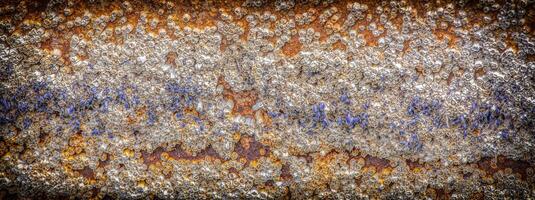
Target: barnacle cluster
{"points": [[267, 99]]}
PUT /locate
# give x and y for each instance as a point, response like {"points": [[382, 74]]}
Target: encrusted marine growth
{"points": [[267, 99]]}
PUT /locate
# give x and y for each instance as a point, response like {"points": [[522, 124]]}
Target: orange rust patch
{"points": [[250, 149], [419, 70], [82, 56], [191, 111], [477, 195], [245, 26], [223, 46], [307, 156], [450, 78], [447, 33], [75, 147], [168, 175], [243, 100], [263, 116], [203, 19], [47, 45], [372, 40], [269, 183], [76, 139], [293, 47], [476, 132], [318, 27], [397, 21], [413, 164], [378, 163], [339, 45], [130, 120], [531, 57], [479, 73], [141, 111]]}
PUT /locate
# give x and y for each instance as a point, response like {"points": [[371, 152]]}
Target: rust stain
{"points": [[233, 170], [179, 154], [438, 193], [152, 158], [511, 43], [250, 149], [307, 156], [450, 78], [322, 166], [476, 132], [243, 101], [138, 116], [191, 111], [379, 164], [373, 163], [371, 40], [285, 172], [414, 166], [168, 175], [293, 47], [406, 46], [339, 45], [43, 137], [269, 183], [262, 115], [446, 33], [479, 73], [224, 44], [75, 147], [502, 163], [246, 29], [419, 70], [247, 148], [104, 160], [87, 173]]}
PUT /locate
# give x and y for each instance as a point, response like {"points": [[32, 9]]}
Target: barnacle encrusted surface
{"points": [[267, 99]]}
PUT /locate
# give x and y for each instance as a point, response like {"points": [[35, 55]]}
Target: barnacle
{"points": [[261, 99]]}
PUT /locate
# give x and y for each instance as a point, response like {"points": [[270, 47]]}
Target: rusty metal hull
{"points": [[265, 99]]}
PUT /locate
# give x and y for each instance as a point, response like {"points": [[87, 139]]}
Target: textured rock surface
{"points": [[267, 99]]}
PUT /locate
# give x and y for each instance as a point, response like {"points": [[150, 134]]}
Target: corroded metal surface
{"points": [[267, 99]]}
